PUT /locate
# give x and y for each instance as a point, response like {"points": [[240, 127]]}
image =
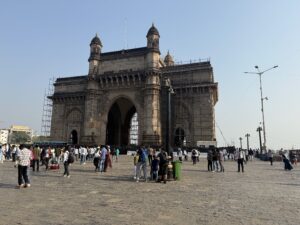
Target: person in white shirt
{"points": [[66, 163], [221, 160], [240, 159], [76, 151], [23, 157], [13, 153], [83, 153], [179, 154]]}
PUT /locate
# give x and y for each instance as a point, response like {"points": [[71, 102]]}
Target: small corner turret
{"points": [[153, 38], [153, 55], [95, 51], [169, 61]]}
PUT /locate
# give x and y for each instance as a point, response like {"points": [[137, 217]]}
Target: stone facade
{"points": [[97, 108]]}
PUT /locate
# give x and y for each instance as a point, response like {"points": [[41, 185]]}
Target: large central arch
{"points": [[119, 121]]}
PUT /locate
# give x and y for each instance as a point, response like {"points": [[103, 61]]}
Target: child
{"points": [[154, 168], [135, 160]]}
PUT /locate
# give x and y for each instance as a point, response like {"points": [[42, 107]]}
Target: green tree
{"points": [[19, 138]]}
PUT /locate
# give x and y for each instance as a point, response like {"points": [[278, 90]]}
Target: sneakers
{"points": [[27, 186], [65, 175], [19, 186], [68, 176]]}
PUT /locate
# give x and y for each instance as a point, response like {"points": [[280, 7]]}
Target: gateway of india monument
{"points": [[134, 96]]}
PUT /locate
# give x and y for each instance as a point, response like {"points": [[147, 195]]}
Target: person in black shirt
{"points": [[154, 168], [163, 166]]}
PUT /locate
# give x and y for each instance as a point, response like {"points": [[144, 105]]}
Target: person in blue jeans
{"points": [[142, 164], [102, 158]]}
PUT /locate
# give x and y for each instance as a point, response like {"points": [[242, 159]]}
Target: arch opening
{"points": [[119, 122], [74, 137], [179, 137]]}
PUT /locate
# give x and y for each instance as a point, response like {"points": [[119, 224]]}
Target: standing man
{"points": [[36, 152], [163, 166], [76, 151], [250, 154], [13, 153], [215, 160], [221, 160], [83, 154], [66, 163], [179, 153], [240, 159], [23, 157], [270, 155], [47, 157], [209, 160], [7, 155], [142, 164]]}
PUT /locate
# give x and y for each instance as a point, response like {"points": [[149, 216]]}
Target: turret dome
{"points": [[96, 40], [169, 61], [152, 31]]}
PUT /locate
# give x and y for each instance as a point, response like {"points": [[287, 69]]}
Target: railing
{"points": [[192, 61]]}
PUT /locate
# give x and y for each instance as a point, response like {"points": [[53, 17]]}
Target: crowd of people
{"points": [[158, 161], [144, 158]]}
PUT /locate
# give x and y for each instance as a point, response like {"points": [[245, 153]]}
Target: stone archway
{"points": [[73, 126], [183, 126], [179, 137], [74, 137], [119, 121]]}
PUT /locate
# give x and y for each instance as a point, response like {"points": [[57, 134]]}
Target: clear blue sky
{"points": [[42, 39]]}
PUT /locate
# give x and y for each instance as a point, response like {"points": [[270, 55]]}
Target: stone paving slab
{"points": [[262, 195]]}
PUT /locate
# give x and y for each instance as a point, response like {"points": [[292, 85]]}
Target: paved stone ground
{"points": [[262, 195]]}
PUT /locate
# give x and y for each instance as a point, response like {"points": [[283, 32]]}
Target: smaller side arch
{"points": [[73, 123]]}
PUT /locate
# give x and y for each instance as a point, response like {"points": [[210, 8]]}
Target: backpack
{"points": [[163, 158], [71, 157], [143, 156]]}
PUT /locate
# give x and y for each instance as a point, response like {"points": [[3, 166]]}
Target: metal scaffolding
{"points": [[47, 109], [134, 130]]}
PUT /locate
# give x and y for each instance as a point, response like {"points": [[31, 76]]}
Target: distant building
{"points": [[4, 136], [18, 129]]}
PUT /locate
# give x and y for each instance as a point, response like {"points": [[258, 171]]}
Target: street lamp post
{"points": [[259, 133], [260, 73], [168, 125], [241, 142], [247, 136]]}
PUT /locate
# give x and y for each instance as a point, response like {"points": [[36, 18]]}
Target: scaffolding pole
{"points": [[47, 109]]}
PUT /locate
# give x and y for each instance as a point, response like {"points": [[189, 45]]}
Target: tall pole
{"points": [[168, 123], [247, 136], [263, 114], [260, 73], [259, 132], [241, 142]]}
